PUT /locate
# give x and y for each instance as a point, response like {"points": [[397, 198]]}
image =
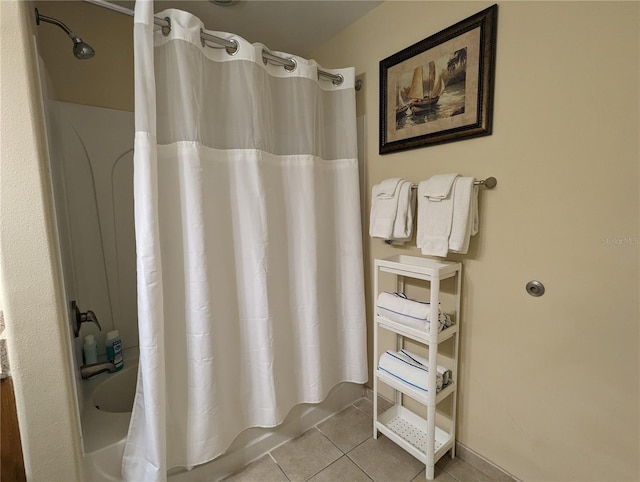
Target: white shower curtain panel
{"points": [[250, 277]]}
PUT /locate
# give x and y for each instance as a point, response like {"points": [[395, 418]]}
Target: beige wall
{"points": [[549, 386], [37, 334]]}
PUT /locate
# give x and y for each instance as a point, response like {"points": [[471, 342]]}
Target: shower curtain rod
{"points": [[230, 45]]}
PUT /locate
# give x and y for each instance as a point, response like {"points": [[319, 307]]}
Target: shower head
{"points": [[81, 50]]}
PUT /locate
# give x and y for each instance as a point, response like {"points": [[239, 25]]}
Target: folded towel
{"points": [[383, 215], [439, 186], [416, 314], [434, 222], [465, 214], [392, 215], [387, 188], [444, 372], [446, 224], [406, 369], [403, 225]]}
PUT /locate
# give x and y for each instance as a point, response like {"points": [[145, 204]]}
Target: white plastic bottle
{"points": [[113, 346], [90, 350]]}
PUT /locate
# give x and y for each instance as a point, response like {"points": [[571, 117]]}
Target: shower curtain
{"points": [[249, 255]]}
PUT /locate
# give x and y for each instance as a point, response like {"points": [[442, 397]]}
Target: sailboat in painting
{"points": [[401, 107], [423, 101]]}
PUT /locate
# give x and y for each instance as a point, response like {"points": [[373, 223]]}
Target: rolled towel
{"points": [[397, 307], [446, 320], [444, 372], [402, 367]]}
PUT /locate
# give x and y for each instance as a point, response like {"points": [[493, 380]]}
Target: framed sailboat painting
{"points": [[441, 88]]}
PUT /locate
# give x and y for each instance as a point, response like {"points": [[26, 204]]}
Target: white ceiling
{"points": [[293, 26]]}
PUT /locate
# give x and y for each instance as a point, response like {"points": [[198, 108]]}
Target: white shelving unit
{"points": [[421, 437]]}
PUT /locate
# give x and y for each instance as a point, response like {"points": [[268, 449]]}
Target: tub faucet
{"points": [[88, 371]]}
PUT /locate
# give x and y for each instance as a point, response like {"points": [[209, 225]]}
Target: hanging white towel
{"points": [[392, 215], [403, 225], [465, 214], [446, 224], [383, 214], [439, 186], [387, 188], [434, 221]]}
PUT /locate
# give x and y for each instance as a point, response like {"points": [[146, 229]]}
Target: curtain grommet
{"points": [[291, 68], [233, 50], [166, 29], [337, 82]]}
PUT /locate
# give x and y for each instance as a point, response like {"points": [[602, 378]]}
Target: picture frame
{"points": [[441, 88]]}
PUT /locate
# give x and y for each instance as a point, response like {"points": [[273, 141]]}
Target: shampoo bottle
{"points": [[113, 346], [90, 350]]}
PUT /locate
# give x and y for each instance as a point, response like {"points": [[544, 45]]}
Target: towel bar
{"points": [[489, 183]]}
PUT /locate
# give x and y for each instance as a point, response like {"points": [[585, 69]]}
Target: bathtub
{"points": [[107, 402], [108, 399]]}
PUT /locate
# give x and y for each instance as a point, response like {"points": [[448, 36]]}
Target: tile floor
{"points": [[342, 449]]}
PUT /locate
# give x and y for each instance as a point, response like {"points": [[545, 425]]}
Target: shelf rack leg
{"points": [[375, 353], [456, 354], [399, 338], [434, 323]]}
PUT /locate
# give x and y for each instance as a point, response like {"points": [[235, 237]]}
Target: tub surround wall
{"points": [[30, 276], [92, 173], [549, 386]]}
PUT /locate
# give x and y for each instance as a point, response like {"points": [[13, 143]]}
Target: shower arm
{"points": [[81, 49], [55, 21]]}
